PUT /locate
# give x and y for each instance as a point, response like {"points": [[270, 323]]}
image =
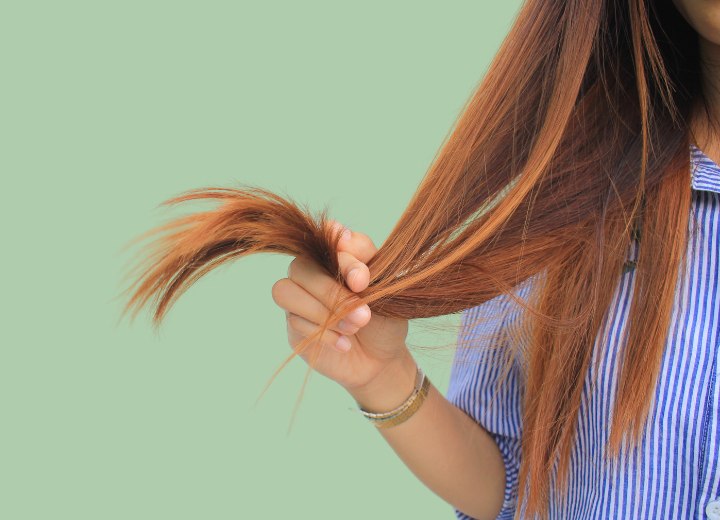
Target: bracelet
{"points": [[406, 409]]}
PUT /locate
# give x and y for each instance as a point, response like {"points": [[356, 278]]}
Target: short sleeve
{"points": [[479, 387]]}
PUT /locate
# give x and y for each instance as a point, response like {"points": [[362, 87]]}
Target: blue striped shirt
{"points": [[675, 472]]}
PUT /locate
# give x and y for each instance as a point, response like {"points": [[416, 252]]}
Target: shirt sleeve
{"points": [[479, 388]]}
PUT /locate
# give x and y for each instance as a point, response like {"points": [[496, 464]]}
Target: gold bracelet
{"points": [[403, 412]]}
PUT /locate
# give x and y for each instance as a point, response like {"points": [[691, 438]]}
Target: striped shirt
{"points": [[675, 471]]}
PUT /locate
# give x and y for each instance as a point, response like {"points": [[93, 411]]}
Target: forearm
{"points": [[444, 447]]}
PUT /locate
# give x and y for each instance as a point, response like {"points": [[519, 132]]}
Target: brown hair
{"points": [[576, 138]]}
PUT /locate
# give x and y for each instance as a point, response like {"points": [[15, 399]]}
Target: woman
{"points": [[458, 460], [580, 186]]}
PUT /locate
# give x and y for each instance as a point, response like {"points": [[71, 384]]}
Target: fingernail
{"points": [[346, 327], [345, 234], [359, 314], [354, 272], [343, 343]]}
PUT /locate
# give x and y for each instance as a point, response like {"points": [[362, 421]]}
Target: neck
{"points": [[705, 135]]}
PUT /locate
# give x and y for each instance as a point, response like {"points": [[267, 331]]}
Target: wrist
{"points": [[390, 388]]}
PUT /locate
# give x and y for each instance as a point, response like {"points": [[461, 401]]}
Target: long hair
{"points": [[575, 142]]}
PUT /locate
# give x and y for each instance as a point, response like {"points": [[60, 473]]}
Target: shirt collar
{"points": [[705, 172]]}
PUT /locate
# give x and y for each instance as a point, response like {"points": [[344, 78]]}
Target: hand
{"points": [[357, 349]]}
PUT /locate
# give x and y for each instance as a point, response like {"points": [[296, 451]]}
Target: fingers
{"points": [[309, 276], [299, 328], [296, 300], [358, 245], [355, 273], [354, 251]]}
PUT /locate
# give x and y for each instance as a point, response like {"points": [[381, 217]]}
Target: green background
{"points": [[109, 108]]}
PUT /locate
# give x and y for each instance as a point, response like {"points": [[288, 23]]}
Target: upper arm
{"points": [[479, 386]]}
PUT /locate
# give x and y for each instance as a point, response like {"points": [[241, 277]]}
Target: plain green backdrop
{"points": [[109, 108]]}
